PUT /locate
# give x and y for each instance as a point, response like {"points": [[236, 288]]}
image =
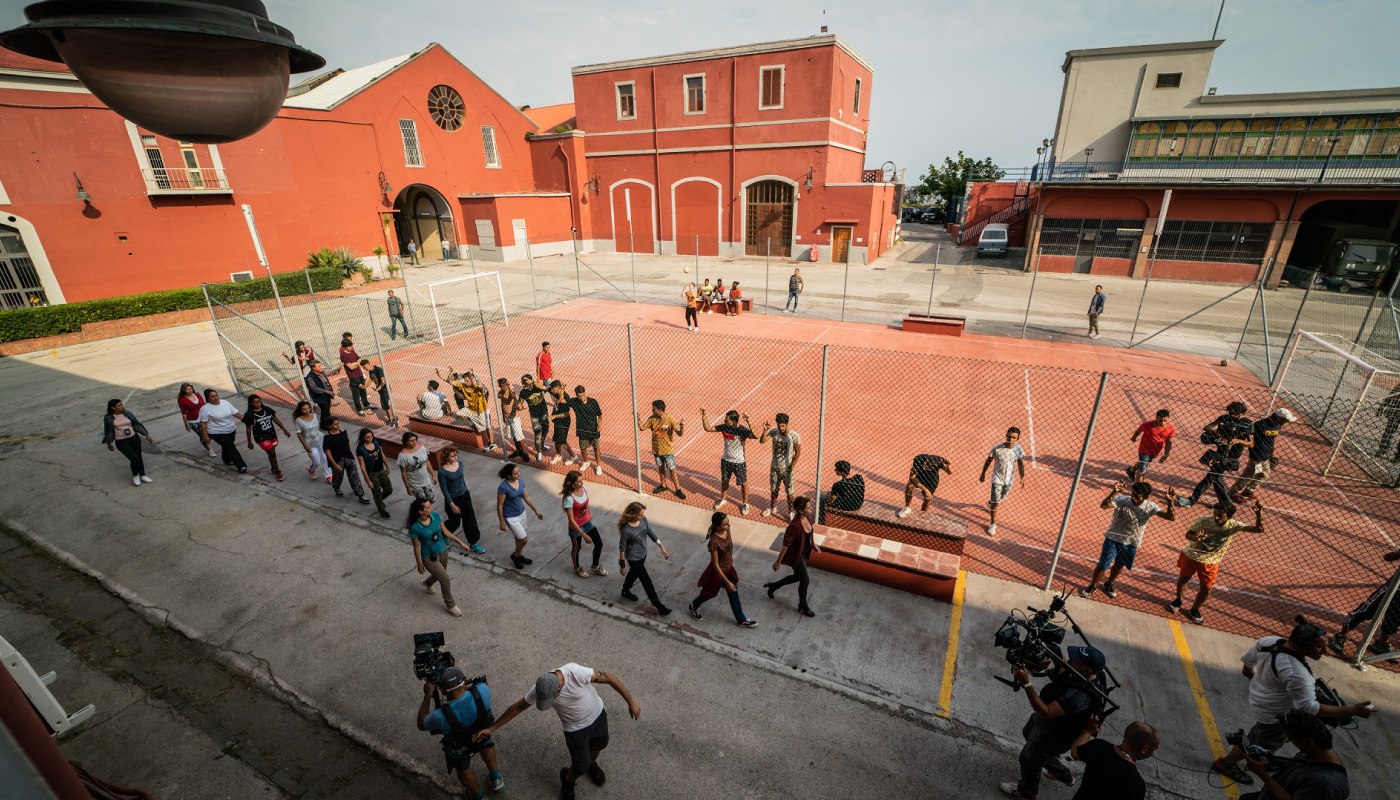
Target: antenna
{"points": [[1218, 15]]}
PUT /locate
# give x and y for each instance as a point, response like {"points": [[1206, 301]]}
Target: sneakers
{"points": [[598, 468], [568, 461], [1010, 790], [490, 448], [597, 570], [767, 512], [664, 611], [628, 594], [476, 548], [1184, 501], [1195, 616], [680, 494], [1067, 779], [135, 480], [364, 501], [242, 470], [279, 476], [454, 611], [555, 460], [498, 784], [660, 487], [595, 774], [430, 587], [1087, 591], [904, 512], [385, 515], [749, 623], [718, 505], [145, 479], [992, 529], [1337, 643], [581, 572], [514, 559], [330, 479], [1174, 606], [1234, 772], [691, 608], [1109, 591], [213, 454], [744, 509], [566, 786]]}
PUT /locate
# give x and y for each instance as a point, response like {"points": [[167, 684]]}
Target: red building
{"points": [[735, 151], [763, 143]]}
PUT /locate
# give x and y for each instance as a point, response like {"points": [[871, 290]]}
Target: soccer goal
{"points": [[463, 304], [1348, 394]]}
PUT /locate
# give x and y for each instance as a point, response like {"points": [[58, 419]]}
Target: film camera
{"points": [[429, 659], [1221, 452], [1254, 751], [1033, 640]]}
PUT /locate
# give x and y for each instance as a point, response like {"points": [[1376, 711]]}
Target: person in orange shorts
{"points": [[1208, 539]]}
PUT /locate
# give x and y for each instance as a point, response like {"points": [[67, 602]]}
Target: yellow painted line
{"points": [[54, 352], [200, 326], [950, 660], [1217, 745]]}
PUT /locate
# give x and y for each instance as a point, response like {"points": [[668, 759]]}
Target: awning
{"points": [[843, 222]]}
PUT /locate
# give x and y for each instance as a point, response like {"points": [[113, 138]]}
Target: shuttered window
{"points": [[770, 87], [488, 144], [412, 156]]}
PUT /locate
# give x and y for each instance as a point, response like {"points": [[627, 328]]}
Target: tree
{"points": [[950, 180]]}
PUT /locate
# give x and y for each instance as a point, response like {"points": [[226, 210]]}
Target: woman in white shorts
{"points": [[511, 500]]}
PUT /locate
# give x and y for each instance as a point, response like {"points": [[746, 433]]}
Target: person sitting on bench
{"points": [[847, 494]]}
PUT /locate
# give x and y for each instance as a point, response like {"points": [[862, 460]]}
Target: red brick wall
{"points": [[1211, 271], [1056, 263], [1116, 267]]}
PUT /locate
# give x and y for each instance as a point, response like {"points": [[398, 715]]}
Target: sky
{"points": [[982, 77]]}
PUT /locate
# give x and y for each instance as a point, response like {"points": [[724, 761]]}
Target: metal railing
{"points": [[1301, 171], [1018, 207], [182, 180]]}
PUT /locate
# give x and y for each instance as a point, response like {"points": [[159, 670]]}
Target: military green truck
{"points": [[1343, 255]]}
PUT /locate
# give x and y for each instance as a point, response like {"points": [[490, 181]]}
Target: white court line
{"points": [[1030, 419], [756, 387], [1305, 459]]}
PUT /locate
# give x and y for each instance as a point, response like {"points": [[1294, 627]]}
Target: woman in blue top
{"points": [[428, 537], [511, 499], [457, 498]]}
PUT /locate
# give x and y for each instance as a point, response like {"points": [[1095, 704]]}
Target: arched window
{"points": [[1289, 141], [1228, 140], [1199, 141], [1261, 134], [1173, 138], [1320, 137], [1145, 139], [1386, 140], [1356, 133]]}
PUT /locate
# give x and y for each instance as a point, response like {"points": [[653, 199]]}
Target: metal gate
{"points": [[768, 222], [19, 281]]}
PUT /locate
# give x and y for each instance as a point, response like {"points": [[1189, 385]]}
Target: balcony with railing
{"points": [[186, 181], [1223, 171]]}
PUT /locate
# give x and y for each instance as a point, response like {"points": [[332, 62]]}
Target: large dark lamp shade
{"points": [[208, 71]]}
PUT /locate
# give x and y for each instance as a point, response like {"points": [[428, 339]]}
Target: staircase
{"points": [[1020, 206]]}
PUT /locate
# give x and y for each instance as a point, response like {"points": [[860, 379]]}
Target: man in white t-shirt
{"points": [[432, 404], [569, 691], [1008, 459], [1125, 531]]}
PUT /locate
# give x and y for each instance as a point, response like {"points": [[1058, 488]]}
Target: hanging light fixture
{"points": [[82, 193], [384, 186], [206, 71]]}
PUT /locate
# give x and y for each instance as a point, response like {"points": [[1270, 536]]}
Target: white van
{"points": [[994, 239]]}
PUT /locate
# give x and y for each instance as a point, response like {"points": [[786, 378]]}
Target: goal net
{"points": [[1348, 394], [454, 306]]}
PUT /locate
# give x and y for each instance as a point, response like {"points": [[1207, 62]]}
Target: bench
{"points": [[936, 324], [444, 429], [390, 439], [922, 559], [745, 304]]}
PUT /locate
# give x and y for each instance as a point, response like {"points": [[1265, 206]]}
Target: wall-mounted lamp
{"points": [[82, 193], [807, 184], [593, 182], [384, 187]]}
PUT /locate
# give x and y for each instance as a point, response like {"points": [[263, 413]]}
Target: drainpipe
{"points": [[733, 103], [569, 187], [655, 170]]}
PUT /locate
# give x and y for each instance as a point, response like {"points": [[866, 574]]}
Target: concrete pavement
{"points": [[318, 599]]}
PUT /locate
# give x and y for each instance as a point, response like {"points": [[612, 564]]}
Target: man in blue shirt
{"points": [[465, 710], [1261, 455], [1095, 309]]}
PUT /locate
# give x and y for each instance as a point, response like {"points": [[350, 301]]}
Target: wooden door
{"points": [[840, 245], [768, 219]]}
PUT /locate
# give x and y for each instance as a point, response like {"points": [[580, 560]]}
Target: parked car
{"points": [[932, 216], [994, 239], [912, 213]]}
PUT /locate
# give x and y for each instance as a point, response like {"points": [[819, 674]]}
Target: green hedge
{"points": [[32, 323]]}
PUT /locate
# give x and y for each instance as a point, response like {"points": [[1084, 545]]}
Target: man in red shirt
{"points": [[734, 297], [544, 364], [1156, 443]]}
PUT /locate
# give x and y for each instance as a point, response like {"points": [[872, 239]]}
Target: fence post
{"points": [[821, 433], [491, 376], [1074, 487], [530, 257], [636, 432], [1351, 417], [408, 301], [578, 279], [1035, 273], [1245, 330], [765, 279], [845, 282], [1296, 319], [215, 320], [325, 343], [383, 365], [928, 312], [286, 328], [1359, 661], [632, 258], [697, 257], [1362, 330]]}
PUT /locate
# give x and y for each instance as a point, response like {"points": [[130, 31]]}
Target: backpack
{"points": [[458, 742]]}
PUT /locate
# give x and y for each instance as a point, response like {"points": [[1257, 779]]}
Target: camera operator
{"points": [[1281, 681], [465, 710], [1110, 770], [1318, 775], [1061, 714], [1231, 433]]}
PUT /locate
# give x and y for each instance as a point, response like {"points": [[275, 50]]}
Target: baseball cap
{"points": [[1089, 656], [451, 678], [546, 687], [1285, 415]]}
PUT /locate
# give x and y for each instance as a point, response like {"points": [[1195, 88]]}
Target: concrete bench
{"points": [[390, 439], [745, 304], [444, 429], [909, 568], [927, 530], [936, 324]]}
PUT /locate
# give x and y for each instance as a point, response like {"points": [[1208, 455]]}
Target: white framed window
{"points": [[488, 144], [855, 100], [412, 155], [626, 99], [155, 162], [694, 94], [770, 86], [192, 169]]}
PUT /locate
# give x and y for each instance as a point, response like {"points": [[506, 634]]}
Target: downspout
{"points": [[733, 120], [655, 167], [569, 187]]}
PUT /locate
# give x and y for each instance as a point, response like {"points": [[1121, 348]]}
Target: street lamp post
{"points": [[1088, 151], [1327, 161]]}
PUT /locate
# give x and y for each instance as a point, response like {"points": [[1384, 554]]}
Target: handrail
{"points": [[1018, 207]]}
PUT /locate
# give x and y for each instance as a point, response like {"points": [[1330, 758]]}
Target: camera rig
{"points": [[429, 659], [1032, 640]]}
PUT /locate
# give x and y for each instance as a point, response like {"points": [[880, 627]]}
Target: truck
{"points": [[1343, 255]]}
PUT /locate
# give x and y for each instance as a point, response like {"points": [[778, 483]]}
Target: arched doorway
{"points": [[425, 218], [20, 285], [768, 219]]}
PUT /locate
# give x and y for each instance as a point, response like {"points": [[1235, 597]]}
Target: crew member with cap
{"points": [[1261, 454], [465, 710], [1061, 714], [569, 691], [1280, 681]]}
